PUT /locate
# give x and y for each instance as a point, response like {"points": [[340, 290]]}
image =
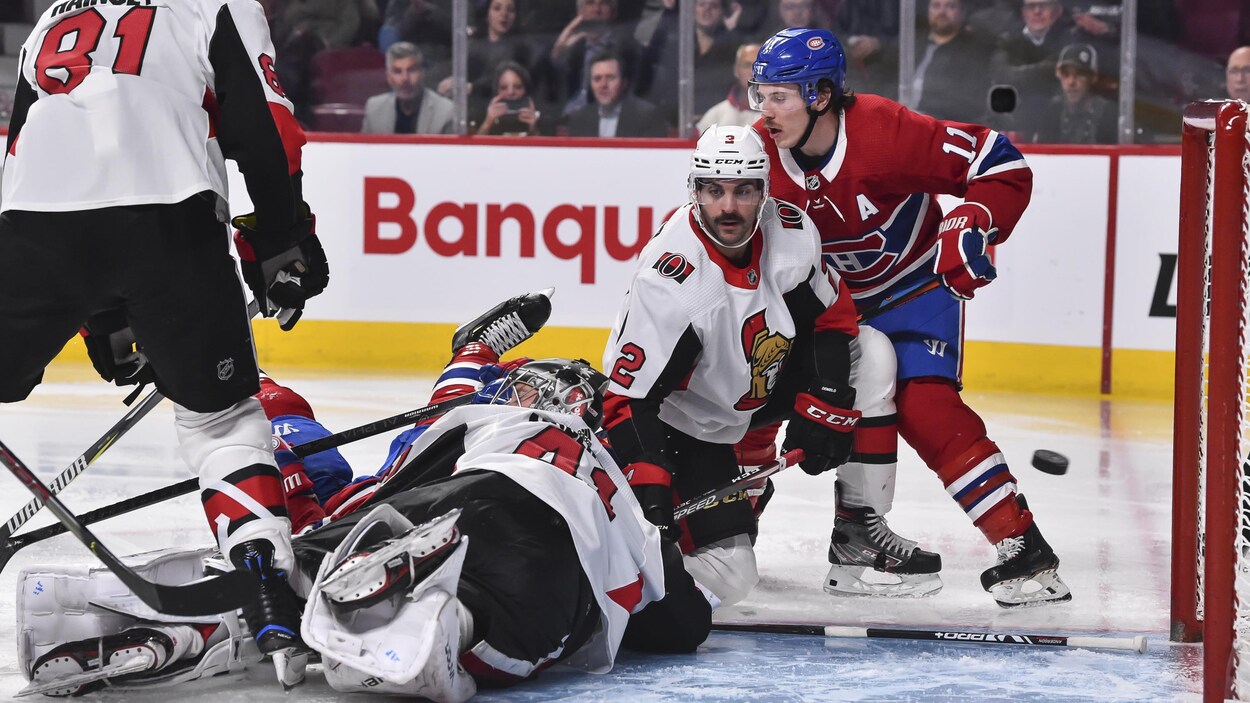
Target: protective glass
{"points": [[782, 97]]}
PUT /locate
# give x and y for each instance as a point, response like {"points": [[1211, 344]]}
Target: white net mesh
{"points": [[1207, 216]]}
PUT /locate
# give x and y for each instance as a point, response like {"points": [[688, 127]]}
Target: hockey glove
{"points": [[112, 349], [823, 426], [282, 271], [962, 260], [651, 484]]}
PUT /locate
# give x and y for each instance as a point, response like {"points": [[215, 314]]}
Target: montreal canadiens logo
{"points": [[674, 266], [815, 43]]}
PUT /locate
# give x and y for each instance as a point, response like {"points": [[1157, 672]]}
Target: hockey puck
{"points": [[1049, 462]]}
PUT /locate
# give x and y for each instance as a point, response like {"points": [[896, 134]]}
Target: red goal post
{"points": [[1210, 573]]}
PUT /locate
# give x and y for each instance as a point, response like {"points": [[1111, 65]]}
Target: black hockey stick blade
{"points": [[80, 464], [901, 298], [208, 596], [746, 480], [379, 426], [10, 546], [1135, 644]]}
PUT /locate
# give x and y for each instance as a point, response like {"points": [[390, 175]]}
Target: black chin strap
{"points": [[812, 116]]}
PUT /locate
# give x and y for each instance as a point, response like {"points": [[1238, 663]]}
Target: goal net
{"points": [[1211, 500]]}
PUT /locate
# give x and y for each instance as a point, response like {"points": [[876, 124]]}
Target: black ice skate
{"points": [[274, 616], [75, 668], [870, 559], [1026, 574], [507, 324]]}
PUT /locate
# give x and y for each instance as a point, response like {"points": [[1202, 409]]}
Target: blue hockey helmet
{"points": [[801, 56]]}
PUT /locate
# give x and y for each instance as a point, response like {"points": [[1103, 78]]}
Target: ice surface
{"points": [[1108, 519]]}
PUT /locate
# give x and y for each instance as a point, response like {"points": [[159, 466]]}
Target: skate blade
{"points": [[863, 582], [69, 685], [1047, 589], [290, 665]]}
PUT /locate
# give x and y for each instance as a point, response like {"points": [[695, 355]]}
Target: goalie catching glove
{"points": [[283, 271], [113, 351], [823, 426], [962, 260]]}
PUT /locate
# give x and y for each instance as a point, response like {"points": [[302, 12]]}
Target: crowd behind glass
{"points": [[612, 68]]}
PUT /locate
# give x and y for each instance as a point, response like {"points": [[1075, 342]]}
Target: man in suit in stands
{"points": [[614, 112], [410, 107]]}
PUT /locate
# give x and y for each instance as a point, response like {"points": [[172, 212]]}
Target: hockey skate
{"points": [[1026, 574], [273, 617], [870, 559], [507, 324], [87, 665]]}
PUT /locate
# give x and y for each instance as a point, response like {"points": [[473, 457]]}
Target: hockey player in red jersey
{"points": [[113, 214], [733, 321], [868, 171], [528, 550]]}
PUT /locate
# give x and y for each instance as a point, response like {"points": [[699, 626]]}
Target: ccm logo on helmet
{"points": [[730, 161], [830, 419], [815, 43]]}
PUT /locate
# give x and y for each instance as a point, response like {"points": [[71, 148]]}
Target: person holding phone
{"points": [[512, 110]]}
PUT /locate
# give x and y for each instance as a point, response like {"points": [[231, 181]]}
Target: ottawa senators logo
{"points": [[674, 266], [766, 352]]}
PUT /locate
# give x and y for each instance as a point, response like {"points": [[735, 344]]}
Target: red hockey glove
{"points": [[282, 270], [113, 351], [823, 426], [962, 261], [301, 500]]}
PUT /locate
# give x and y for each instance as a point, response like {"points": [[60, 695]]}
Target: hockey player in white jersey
{"points": [[112, 218], [733, 321], [533, 552]]}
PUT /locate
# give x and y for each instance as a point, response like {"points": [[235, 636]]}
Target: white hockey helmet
{"points": [[728, 152]]}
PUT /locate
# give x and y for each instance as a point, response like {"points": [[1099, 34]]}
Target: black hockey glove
{"points": [[823, 426], [112, 349], [283, 271], [655, 499]]}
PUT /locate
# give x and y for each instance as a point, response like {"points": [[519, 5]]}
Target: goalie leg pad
{"points": [[78, 667], [409, 641]]}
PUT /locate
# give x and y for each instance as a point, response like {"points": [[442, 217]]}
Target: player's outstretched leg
{"points": [[1027, 572], [75, 668], [869, 559], [507, 324]]}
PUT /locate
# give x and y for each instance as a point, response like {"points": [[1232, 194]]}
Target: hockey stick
{"points": [[379, 426], [80, 464], [1136, 644], [890, 302], [215, 594], [10, 545], [746, 480]]}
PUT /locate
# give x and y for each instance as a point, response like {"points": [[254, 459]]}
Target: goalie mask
{"points": [[559, 385], [736, 155]]}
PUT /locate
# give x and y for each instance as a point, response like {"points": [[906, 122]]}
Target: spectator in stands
{"points": [[335, 22], [715, 49], [734, 109], [1027, 56], [593, 31], [494, 40], [1077, 115], [951, 82], [613, 112], [793, 13], [426, 23], [410, 107], [1237, 74], [869, 32], [512, 110]]}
